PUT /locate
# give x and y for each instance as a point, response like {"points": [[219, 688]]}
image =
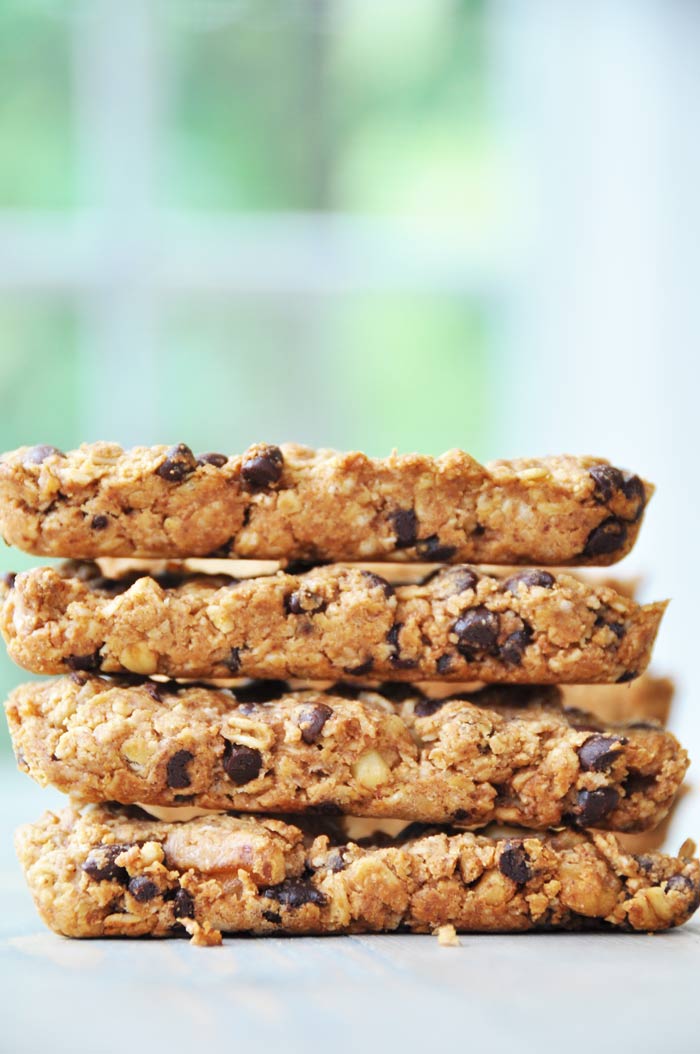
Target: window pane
{"points": [[242, 106], [36, 138], [367, 372], [408, 86], [39, 403], [345, 104]]}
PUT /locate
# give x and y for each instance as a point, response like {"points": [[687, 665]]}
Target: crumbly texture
{"points": [[293, 503], [331, 622], [109, 873], [509, 754]]}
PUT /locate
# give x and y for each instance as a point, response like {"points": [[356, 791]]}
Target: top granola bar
{"points": [[292, 503]]}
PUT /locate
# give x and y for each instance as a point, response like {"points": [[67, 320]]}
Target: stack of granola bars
{"points": [[216, 724]]}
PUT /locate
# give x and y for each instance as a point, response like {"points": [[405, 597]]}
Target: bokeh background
{"points": [[409, 223]]}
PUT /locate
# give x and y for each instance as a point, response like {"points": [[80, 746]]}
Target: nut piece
{"points": [[136, 750], [152, 853], [659, 903], [447, 936], [688, 850], [371, 770], [492, 889], [138, 658]]}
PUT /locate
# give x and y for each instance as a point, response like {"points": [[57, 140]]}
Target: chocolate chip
{"points": [[594, 805], [38, 454], [311, 721], [443, 664], [628, 675], [100, 864], [638, 783], [405, 523], [98, 523], [645, 862], [292, 604], [84, 662], [598, 753], [183, 905], [607, 480], [392, 636], [179, 463], [241, 764], [432, 549], [633, 489], [530, 577], [177, 774], [513, 647], [152, 689], [78, 678], [477, 628], [679, 882], [361, 670], [272, 916], [514, 863], [428, 707], [264, 468], [9, 578], [217, 460], [610, 536], [142, 889], [295, 892], [457, 579], [377, 580], [462, 578], [303, 602], [603, 619], [336, 861], [234, 660]]}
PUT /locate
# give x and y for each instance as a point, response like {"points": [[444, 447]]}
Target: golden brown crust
{"points": [[111, 873], [293, 503], [331, 622], [511, 754]]}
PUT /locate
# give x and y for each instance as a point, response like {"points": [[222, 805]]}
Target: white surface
{"points": [[548, 992]]}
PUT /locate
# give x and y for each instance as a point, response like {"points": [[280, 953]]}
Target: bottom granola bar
{"points": [[109, 872]]}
